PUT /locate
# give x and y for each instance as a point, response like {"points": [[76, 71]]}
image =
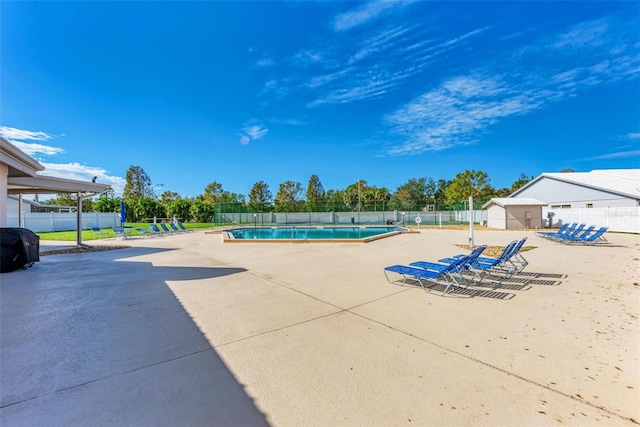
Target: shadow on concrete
{"points": [[88, 339]]}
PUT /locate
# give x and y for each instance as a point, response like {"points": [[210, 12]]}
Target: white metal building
{"points": [[514, 213], [595, 189], [28, 206]]}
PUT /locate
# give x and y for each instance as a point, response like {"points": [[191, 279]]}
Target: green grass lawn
{"points": [[107, 232]]}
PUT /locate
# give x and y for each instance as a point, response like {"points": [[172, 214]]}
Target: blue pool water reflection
{"points": [[311, 233]]}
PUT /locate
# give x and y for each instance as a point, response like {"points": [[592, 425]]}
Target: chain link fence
{"points": [[232, 213]]}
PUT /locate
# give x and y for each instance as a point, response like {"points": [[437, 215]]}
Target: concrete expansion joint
{"points": [[96, 380], [504, 371], [339, 310]]}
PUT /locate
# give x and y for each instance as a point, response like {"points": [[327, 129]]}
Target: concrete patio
{"points": [[184, 330]]}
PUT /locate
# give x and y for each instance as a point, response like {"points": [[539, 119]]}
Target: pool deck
{"points": [[183, 330]]}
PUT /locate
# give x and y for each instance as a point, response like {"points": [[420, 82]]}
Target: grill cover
{"points": [[19, 248]]}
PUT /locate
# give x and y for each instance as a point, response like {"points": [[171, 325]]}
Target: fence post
{"points": [[580, 216]]}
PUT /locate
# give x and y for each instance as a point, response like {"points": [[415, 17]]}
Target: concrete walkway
{"points": [[184, 330]]}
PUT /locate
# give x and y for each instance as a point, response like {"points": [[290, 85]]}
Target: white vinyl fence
{"points": [[617, 219], [60, 221]]}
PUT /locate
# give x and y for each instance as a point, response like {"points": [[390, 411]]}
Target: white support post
{"points": [[471, 221], [20, 214]]}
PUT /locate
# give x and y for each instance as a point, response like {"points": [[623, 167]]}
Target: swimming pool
{"points": [[305, 234]]}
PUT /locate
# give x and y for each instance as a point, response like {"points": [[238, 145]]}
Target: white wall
{"points": [[517, 217], [563, 193], [56, 221], [13, 206], [4, 184], [617, 219], [496, 217]]}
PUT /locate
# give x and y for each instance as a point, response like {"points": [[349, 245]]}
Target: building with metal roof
{"points": [[514, 212], [595, 189]]}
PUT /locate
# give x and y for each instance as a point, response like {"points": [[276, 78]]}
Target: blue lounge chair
{"points": [[575, 235], [182, 227], [98, 233], [165, 228], [460, 269], [562, 229], [155, 230], [506, 265], [569, 234], [174, 228], [421, 275], [594, 239], [559, 233], [119, 232], [142, 232]]}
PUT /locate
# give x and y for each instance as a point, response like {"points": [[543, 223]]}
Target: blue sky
{"points": [[239, 92]]}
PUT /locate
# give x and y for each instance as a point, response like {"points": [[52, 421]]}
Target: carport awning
{"points": [[49, 185]]}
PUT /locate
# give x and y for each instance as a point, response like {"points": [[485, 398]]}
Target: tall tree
{"points": [[144, 208], [260, 196], [138, 184], [380, 195], [288, 196], [212, 192], [315, 192], [230, 197], [335, 200], [202, 210], [179, 208], [169, 196], [468, 183], [521, 182], [107, 202], [352, 195], [71, 200], [414, 194]]}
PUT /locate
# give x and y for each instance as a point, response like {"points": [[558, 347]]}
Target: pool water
{"points": [[311, 233]]}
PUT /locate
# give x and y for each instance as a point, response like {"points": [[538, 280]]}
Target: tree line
{"points": [[417, 194]]}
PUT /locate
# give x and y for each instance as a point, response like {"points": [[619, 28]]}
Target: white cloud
{"points": [[366, 13], [252, 131], [461, 108], [456, 111], [364, 84], [306, 58], [82, 172], [632, 135], [265, 63], [18, 136], [10, 133], [616, 155], [35, 149], [379, 43], [328, 78], [584, 34], [256, 131], [72, 170], [466, 36], [291, 122]]}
